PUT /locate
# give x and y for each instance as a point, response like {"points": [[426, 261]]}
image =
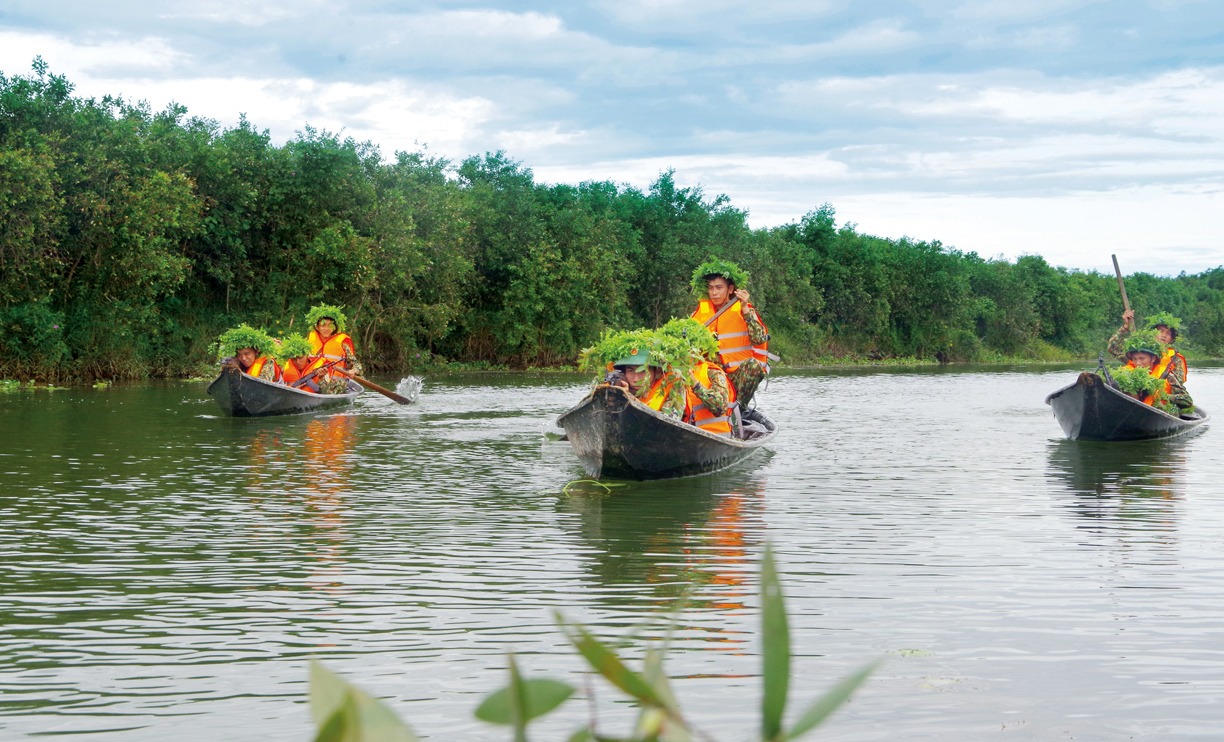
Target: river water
{"points": [[167, 571]]}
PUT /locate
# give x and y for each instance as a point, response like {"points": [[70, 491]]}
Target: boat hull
{"points": [[615, 435], [1091, 410], [242, 395]]}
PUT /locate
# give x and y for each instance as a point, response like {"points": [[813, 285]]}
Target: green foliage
{"points": [[343, 712], [677, 351], [293, 346], [321, 311], [1137, 382], [717, 267], [244, 336], [1166, 319], [1144, 340], [695, 333], [130, 238]]}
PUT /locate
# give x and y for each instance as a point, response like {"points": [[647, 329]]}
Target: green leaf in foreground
{"points": [[828, 703], [775, 640], [608, 664], [344, 713], [542, 695]]}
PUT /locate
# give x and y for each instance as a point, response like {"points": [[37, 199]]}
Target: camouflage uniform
{"points": [[718, 397], [747, 376], [674, 405], [335, 383]]}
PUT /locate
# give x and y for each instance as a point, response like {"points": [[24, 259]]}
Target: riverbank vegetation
{"points": [[130, 238]]}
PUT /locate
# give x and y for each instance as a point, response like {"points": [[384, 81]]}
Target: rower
{"points": [[249, 350], [330, 342], [1167, 329], [743, 338]]}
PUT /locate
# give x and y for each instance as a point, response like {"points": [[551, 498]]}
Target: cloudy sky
{"points": [[1067, 128]]}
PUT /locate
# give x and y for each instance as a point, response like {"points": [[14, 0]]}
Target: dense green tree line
{"points": [[129, 239]]}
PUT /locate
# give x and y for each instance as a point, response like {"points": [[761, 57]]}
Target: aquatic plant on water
{"points": [[344, 713]]}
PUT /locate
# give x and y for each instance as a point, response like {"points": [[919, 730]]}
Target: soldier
{"points": [[743, 338], [249, 350]]}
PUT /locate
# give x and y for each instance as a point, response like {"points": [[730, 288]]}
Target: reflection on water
{"points": [[158, 561], [1134, 485], [694, 540]]}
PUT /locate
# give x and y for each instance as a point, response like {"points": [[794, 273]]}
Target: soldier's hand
{"points": [[1128, 318]]}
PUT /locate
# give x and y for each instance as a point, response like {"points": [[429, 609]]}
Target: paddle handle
{"points": [[719, 313], [1121, 285]]}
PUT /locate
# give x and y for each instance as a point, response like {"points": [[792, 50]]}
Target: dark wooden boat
{"points": [[242, 395], [1092, 410], [615, 435]]}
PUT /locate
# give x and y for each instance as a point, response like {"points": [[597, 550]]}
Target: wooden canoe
{"points": [[1092, 410], [615, 435], [242, 395]]}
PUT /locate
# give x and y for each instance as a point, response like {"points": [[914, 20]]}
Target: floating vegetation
{"points": [[101, 384], [607, 486]]}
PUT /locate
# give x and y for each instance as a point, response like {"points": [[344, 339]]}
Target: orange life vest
{"points": [[658, 394], [333, 349], [258, 365], [731, 329], [290, 374], [696, 412]]}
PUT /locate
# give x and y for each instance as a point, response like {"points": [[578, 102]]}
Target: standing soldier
{"points": [[743, 338]]}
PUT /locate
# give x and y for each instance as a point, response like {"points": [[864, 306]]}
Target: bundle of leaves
{"points": [[695, 333], [244, 336], [321, 311], [1137, 382], [1145, 340], [677, 355], [293, 346], [718, 267]]}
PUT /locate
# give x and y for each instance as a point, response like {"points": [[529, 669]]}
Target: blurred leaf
{"points": [[582, 735], [542, 696], [775, 651], [826, 704], [345, 713], [608, 664]]}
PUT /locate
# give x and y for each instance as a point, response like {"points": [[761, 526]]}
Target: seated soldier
{"points": [[1143, 350], [648, 382], [711, 397], [297, 356], [249, 350]]}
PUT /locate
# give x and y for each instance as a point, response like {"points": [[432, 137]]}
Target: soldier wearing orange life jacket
{"points": [[330, 342], [249, 350], [743, 338], [1143, 350], [297, 358]]}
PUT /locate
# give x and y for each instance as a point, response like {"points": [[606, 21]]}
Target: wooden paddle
{"points": [[719, 313], [375, 387], [1121, 286]]}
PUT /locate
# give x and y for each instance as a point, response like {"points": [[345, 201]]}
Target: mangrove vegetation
{"points": [[130, 238]]}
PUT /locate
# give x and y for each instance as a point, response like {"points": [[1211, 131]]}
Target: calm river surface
{"points": [[168, 573]]}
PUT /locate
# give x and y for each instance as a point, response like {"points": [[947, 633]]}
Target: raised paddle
{"points": [[375, 387], [1121, 286]]}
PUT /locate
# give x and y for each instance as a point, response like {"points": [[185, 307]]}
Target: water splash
{"points": [[410, 387]]}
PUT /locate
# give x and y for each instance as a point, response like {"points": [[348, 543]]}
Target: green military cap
{"points": [[635, 358]]}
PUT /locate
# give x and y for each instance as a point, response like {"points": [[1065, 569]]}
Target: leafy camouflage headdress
{"points": [[676, 354], [319, 311], [244, 336], [294, 346], [1144, 340], [717, 267], [697, 334], [1166, 319]]}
